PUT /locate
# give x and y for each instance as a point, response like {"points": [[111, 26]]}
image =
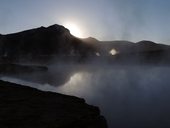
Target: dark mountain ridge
{"points": [[55, 41]]}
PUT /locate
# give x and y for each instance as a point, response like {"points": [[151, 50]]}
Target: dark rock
{"points": [[25, 107]]}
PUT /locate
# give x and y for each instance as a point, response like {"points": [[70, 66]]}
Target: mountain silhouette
{"points": [[53, 40], [45, 43]]}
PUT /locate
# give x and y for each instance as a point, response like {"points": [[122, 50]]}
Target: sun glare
{"points": [[74, 29], [113, 52]]}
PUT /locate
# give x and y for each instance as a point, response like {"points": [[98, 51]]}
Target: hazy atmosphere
{"points": [[84, 64], [132, 20]]}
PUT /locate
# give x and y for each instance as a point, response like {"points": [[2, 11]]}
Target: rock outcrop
{"points": [[25, 107]]}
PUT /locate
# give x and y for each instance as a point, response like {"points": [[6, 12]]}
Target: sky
{"points": [[132, 20]]}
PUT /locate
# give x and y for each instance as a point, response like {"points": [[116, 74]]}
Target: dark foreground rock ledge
{"points": [[25, 107]]}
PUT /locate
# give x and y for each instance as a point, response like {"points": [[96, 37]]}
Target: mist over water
{"points": [[128, 96]]}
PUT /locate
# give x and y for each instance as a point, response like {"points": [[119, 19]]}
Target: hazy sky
{"points": [[132, 20]]}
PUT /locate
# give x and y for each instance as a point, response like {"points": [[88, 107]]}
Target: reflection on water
{"points": [[78, 85], [127, 96]]}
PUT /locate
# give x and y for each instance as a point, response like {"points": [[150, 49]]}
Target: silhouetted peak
{"points": [[90, 39], [53, 29], [55, 26], [146, 42], [149, 46], [58, 28]]}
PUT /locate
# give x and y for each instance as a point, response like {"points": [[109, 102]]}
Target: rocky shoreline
{"points": [[26, 107]]}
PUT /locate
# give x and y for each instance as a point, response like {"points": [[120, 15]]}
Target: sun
{"points": [[74, 29]]}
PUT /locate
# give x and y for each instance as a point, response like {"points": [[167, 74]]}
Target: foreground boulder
{"points": [[25, 107]]}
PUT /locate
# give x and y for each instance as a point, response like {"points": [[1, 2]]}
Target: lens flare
{"points": [[113, 52]]}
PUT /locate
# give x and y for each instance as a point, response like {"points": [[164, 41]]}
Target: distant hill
{"points": [[143, 52]]}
